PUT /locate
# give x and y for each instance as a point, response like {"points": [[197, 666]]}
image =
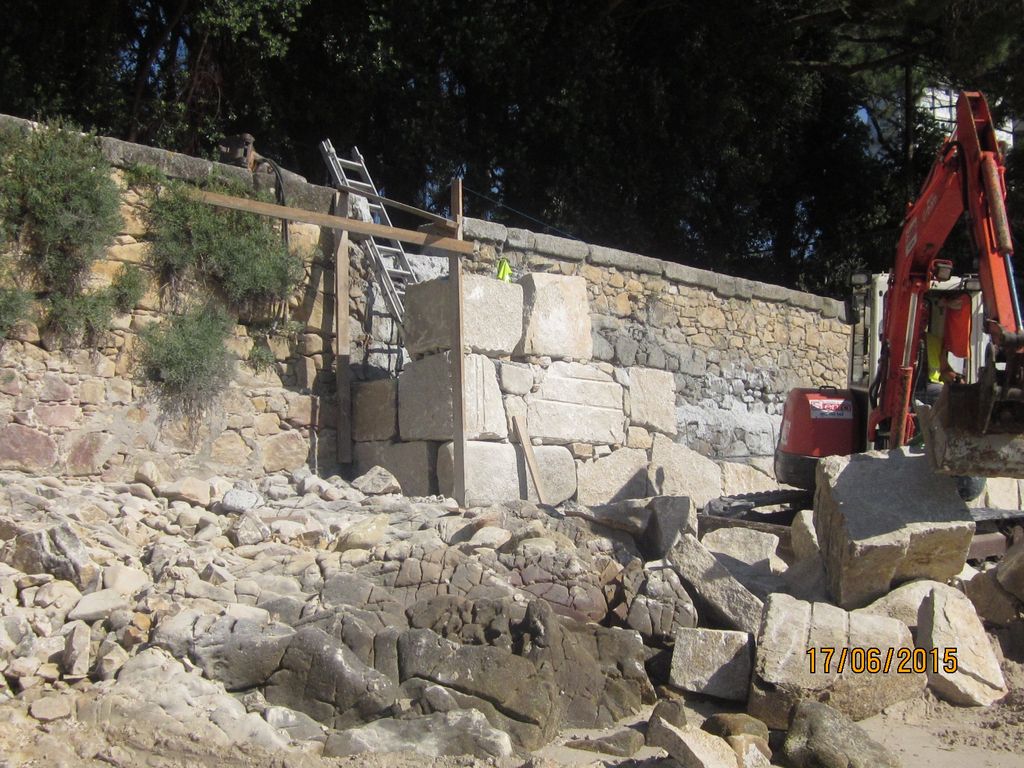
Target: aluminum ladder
{"points": [[388, 258]]}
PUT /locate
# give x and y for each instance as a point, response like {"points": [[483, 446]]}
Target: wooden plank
{"points": [[440, 221], [451, 244], [531, 460], [342, 341], [458, 357]]}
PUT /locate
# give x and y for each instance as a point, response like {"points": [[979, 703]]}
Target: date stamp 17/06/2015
{"points": [[831, 659]]}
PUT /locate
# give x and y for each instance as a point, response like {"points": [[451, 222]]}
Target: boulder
{"points": [[26, 450], [457, 732], [802, 536], [375, 410], [247, 529], [785, 673], [76, 659], [823, 737], [712, 662], [497, 472], [884, 518], [652, 399], [97, 605], [661, 606], [239, 500], [190, 489], [903, 603], [993, 603], [725, 600], [55, 550], [676, 470], [425, 400], [744, 478], [556, 317], [576, 403], [949, 626], [691, 747], [377, 481], [240, 653], [285, 451], [492, 318], [622, 742], [750, 557], [515, 378], [619, 475]]}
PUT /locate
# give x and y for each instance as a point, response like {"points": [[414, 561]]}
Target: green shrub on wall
{"points": [[186, 361], [239, 253], [14, 306]]}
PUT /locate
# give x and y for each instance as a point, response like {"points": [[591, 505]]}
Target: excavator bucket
{"points": [[975, 430]]}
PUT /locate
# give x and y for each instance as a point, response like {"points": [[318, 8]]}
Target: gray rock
{"points": [[413, 464], [691, 747], [903, 603], [458, 732], [622, 742], [246, 530], [556, 317], [125, 580], [993, 603], [883, 518], [515, 378], [652, 399], [298, 726], [671, 518], [575, 403], [191, 489], [676, 470], [377, 481], [239, 500], [1010, 571], [76, 659], [712, 662], [727, 601], [55, 550], [802, 536], [50, 708], [239, 653], [822, 737], [949, 623], [662, 606], [620, 475], [784, 675], [97, 605]]}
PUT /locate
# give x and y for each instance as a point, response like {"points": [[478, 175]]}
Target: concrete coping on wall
{"points": [[727, 286]]}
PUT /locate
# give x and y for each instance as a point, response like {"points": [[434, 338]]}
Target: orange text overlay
{"points": [[857, 660]]}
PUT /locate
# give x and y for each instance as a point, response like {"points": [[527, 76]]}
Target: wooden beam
{"points": [[531, 460], [458, 358], [342, 341], [451, 244], [440, 221]]}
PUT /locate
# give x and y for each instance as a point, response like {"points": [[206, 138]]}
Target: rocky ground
{"points": [[306, 621]]}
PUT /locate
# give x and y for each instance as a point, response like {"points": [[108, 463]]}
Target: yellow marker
{"points": [[504, 270]]}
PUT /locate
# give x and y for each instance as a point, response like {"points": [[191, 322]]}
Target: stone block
{"points": [[492, 316], [576, 403], [375, 410], [652, 399], [287, 450], [883, 518], [425, 400], [676, 470], [413, 464], [1010, 572], [25, 449], [783, 673], [948, 622], [744, 478], [691, 747], [727, 601], [516, 378], [556, 316], [993, 603], [620, 475], [713, 662], [497, 472]]}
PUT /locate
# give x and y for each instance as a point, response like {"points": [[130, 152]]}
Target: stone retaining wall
{"points": [[734, 346]]}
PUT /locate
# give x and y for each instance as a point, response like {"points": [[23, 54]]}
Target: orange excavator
{"points": [[940, 356]]}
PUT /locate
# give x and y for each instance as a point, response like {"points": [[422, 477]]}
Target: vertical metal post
{"points": [[341, 334], [458, 360]]}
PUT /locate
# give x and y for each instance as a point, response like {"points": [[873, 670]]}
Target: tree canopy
{"points": [[778, 139]]}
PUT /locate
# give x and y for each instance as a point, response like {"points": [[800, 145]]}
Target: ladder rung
{"points": [[400, 272], [388, 248], [362, 185], [350, 164]]}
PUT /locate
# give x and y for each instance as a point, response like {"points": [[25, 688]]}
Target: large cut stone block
{"points": [[413, 464], [375, 410], [576, 403], [497, 472], [425, 400], [714, 662], [727, 601], [652, 399], [680, 471], [620, 475], [784, 673], [556, 317], [492, 315], [883, 518]]}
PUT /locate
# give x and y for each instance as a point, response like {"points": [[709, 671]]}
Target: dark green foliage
{"points": [[261, 358], [81, 316], [186, 361], [14, 306], [128, 288], [143, 175], [58, 200], [240, 253]]}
